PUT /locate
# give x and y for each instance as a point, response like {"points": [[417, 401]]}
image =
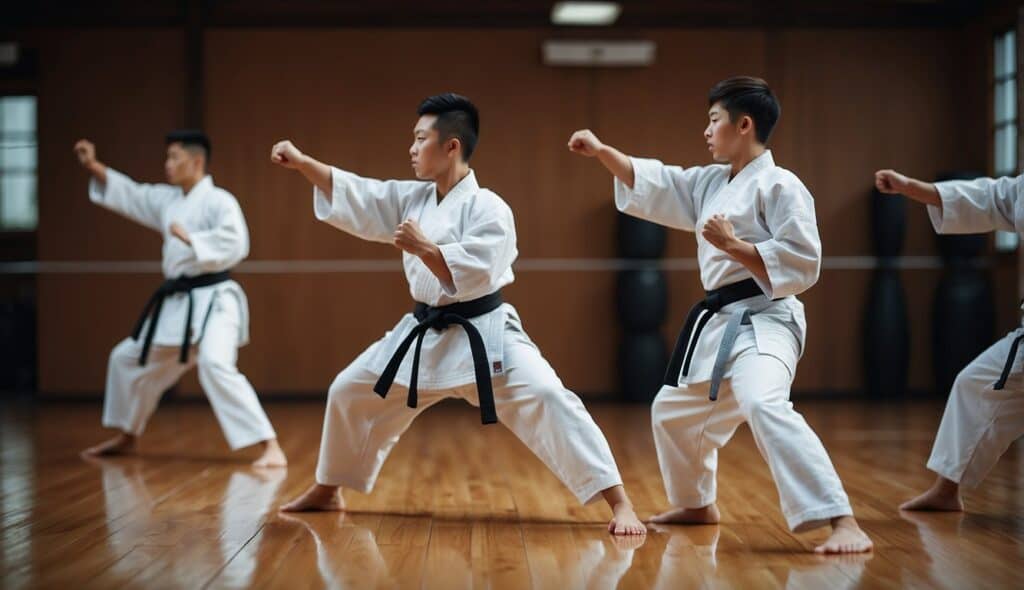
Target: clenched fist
{"points": [[719, 232], [410, 238], [891, 182], [285, 153], [86, 152], [178, 231], [585, 143]]}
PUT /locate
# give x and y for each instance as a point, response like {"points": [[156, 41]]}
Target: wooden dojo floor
{"points": [[459, 505]]}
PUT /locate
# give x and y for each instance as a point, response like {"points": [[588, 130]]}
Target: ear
{"points": [[746, 124], [454, 147], [200, 161]]}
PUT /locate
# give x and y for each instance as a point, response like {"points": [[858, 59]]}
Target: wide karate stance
{"points": [[198, 317], [734, 362], [461, 340], [985, 411]]}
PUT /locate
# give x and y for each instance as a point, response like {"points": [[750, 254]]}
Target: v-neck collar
{"points": [[468, 185], [202, 185], [756, 165]]}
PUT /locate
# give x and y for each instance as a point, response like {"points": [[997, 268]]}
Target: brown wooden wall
{"points": [[853, 101]]}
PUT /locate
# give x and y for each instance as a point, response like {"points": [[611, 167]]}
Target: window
{"points": [[18, 151], [1004, 91]]}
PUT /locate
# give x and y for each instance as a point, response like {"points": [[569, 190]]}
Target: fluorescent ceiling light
{"points": [[593, 14]]}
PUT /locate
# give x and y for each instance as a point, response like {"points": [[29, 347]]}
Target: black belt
{"points": [[713, 302], [1001, 383], [156, 303], [440, 318]]}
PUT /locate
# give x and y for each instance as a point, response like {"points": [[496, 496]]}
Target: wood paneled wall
{"points": [[853, 101]]}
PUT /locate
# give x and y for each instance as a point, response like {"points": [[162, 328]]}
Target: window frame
{"points": [[33, 139]]}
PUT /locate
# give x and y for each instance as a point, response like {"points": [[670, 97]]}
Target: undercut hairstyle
{"points": [[192, 140], [457, 117], [746, 95]]}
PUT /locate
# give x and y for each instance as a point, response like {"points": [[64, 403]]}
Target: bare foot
{"points": [[317, 498], [272, 456], [944, 495], [122, 444], [706, 515], [624, 521], [846, 538]]}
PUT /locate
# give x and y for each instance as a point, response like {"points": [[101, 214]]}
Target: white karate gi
{"points": [[220, 240], [980, 422], [771, 208], [475, 231]]}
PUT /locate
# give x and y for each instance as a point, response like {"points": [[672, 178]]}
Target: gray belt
{"points": [[732, 329], [698, 317]]}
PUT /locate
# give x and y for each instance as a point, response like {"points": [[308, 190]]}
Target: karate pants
{"points": [[133, 391], [980, 423], [689, 429], [361, 428]]}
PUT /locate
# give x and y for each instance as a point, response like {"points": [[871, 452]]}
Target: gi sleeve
{"points": [[792, 255], [227, 243], [484, 253], [142, 203], [662, 194], [364, 207], [976, 206]]}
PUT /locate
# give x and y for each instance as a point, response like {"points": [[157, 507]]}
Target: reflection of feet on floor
{"points": [[324, 528], [122, 444], [696, 536], [626, 543], [317, 498], [272, 457], [104, 462], [689, 559], [347, 554], [604, 560], [845, 559], [264, 475], [943, 496], [313, 523], [706, 515], [700, 541], [933, 520]]}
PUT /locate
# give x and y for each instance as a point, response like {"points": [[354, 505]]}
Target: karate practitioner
{"points": [[458, 242], [985, 411], [757, 247], [198, 316]]}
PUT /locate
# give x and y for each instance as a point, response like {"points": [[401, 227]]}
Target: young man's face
{"points": [[725, 138], [430, 155], [182, 164]]}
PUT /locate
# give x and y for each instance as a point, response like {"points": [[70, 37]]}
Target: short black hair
{"points": [[456, 117], [746, 95], [191, 139]]}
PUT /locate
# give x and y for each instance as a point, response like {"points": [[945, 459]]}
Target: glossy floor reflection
{"points": [[464, 506]]}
